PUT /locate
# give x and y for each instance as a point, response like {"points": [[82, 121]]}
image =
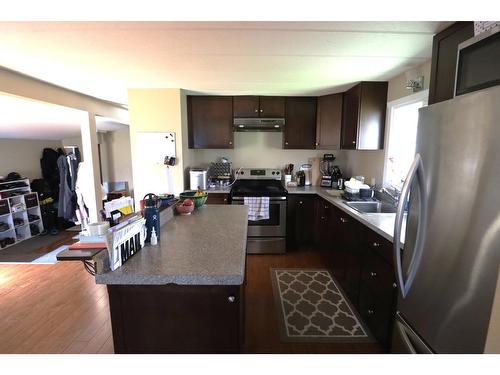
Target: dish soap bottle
{"points": [[154, 240]]}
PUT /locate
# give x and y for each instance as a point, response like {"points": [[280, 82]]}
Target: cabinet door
{"points": [[325, 228], [210, 121], [372, 116], [246, 106], [350, 118], [377, 296], [444, 60], [329, 122], [301, 221], [271, 106], [300, 126]]}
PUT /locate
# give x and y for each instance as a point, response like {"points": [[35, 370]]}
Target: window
{"points": [[402, 137]]}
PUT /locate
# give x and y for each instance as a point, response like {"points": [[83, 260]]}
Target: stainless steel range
{"points": [[266, 236]]}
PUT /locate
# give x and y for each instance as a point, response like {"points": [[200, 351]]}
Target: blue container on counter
{"points": [[152, 215]]}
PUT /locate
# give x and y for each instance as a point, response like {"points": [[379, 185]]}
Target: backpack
{"points": [[48, 162]]}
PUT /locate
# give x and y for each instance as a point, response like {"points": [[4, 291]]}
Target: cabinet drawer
{"points": [[217, 198], [377, 243]]}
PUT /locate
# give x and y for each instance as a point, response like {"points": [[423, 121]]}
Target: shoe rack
{"points": [[20, 215]]}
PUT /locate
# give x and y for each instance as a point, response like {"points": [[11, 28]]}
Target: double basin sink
{"points": [[375, 207]]}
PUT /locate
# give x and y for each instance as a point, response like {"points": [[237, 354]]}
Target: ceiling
{"points": [[27, 119], [103, 59]]}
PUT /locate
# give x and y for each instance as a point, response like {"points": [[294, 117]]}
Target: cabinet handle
{"points": [[286, 143], [370, 312], [317, 143], [353, 142], [230, 142], [344, 220], [376, 244], [261, 110], [322, 218], [373, 274], [256, 110], [225, 199], [300, 202], [231, 299], [394, 285], [326, 207]]}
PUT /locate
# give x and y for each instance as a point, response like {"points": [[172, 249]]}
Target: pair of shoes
{"points": [[7, 241], [34, 229], [54, 231], [4, 227], [32, 217], [18, 221]]}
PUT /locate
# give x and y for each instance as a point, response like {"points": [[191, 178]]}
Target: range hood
{"points": [[248, 124]]}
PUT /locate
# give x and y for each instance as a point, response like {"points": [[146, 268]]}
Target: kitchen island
{"points": [[185, 294]]}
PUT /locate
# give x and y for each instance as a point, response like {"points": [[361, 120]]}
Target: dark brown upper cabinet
{"points": [[259, 106], [329, 122], [210, 121], [300, 123], [444, 60], [363, 116]]}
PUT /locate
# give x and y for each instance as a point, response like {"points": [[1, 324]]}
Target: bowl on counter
{"points": [[184, 210], [199, 200]]}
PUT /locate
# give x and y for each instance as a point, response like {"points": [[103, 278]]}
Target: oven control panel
{"points": [[258, 173]]}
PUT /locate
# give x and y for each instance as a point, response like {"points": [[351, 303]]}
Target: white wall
{"points": [[117, 164], [23, 156], [156, 110]]}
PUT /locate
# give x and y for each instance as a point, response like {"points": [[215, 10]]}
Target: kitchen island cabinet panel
{"points": [[217, 198], [176, 318]]}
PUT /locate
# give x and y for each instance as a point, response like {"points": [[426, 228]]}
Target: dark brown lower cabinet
{"points": [[176, 318], [361, 261], [301, 221], [217, 198]]}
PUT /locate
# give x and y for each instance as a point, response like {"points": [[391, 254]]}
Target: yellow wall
{"points": [[155, 110]]}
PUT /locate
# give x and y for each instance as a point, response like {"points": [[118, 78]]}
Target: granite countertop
{"points": [[207, 247], [383, 224]]}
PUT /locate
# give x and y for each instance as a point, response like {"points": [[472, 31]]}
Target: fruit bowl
{"points": [[198, 197], [184, 210]]}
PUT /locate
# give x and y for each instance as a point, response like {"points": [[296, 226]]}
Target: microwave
{"points": [[478, 62]]}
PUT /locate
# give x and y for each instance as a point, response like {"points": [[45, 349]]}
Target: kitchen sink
{"points": [[372, 207]]}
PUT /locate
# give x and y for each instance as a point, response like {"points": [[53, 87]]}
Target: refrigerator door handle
{"points": [[406, 340], [416, 171]]}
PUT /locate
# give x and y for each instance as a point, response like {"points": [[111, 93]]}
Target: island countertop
{"points": [[207, 247]]}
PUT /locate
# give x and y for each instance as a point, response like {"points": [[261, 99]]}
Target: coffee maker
{"points": [[326, 168]]}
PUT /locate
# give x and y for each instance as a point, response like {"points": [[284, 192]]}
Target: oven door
{"points": [[275, 226]]}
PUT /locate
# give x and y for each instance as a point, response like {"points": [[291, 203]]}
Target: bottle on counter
{"points": [[152, 215], [154, 239]]}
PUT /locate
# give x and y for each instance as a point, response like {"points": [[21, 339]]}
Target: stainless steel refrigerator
{"points": [[448, 269]]}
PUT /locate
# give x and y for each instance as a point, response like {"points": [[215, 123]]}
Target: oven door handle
{"points": [[270, 198]]}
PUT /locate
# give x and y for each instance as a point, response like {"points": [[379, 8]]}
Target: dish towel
{"points": [[258, 208]]}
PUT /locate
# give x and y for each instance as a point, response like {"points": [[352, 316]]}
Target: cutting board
{"points": [[315, 172]]}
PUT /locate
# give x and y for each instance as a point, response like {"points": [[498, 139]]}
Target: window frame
{"points": [[391, 106]]}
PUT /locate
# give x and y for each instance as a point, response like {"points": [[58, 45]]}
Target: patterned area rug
{"points": [[313, 308]]}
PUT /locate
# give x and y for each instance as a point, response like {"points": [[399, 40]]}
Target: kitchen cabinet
{"points": [[377, 289], [329, 122], [217, 198], [363, 116], [300, 123], [176, 318], [444, 60], [301, 221], [259, 106], [210, 122]]}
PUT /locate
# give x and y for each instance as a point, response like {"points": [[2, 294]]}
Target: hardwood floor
{"points": [[261, 318], [59, 309]]}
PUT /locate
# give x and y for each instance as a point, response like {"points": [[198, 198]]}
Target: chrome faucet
{"points": [[394, 193]]}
